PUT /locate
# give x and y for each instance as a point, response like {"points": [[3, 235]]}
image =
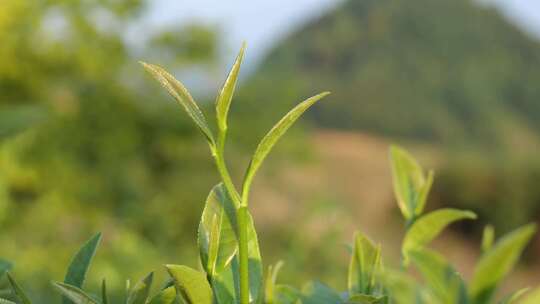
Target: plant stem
{"points": [[242, 215]]}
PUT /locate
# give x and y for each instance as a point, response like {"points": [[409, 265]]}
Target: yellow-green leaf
{"points": [[191, 284], [166, 296], [364, 265], [223, 101], [532, 298], [429, 226], [496, 263], [270, 139], [182, 96]]}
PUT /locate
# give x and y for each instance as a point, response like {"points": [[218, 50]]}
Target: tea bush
{"points": [[232, 269]]}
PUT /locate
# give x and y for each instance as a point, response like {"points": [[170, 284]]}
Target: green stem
{"points": [[242, 212], [242, 215]]}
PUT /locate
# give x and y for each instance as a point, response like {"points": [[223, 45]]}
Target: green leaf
{"points": [[429, 226], [284, 294], [166, 296], [364, 265], [5, 266], [223, 101], [488, 237], [270, 284], [440, 276], [318, 293], [74, 293], [182, 96], [496, 263], [217, 231], [104, 295], [270, 139], [514, 296], [191, 284], [80, 263], [532, 298], [141, 290], [255, 264], [4, 301], [365, 299], [411, 187], [17, 290]]}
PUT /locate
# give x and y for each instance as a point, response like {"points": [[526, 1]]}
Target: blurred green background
{"points": [[89, 143]]}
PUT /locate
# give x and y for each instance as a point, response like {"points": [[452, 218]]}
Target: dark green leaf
{"points": [[78, 268], [17, 290]]}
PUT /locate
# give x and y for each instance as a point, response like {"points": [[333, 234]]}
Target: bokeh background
{"points": [[88, 142]]}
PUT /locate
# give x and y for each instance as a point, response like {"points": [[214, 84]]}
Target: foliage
{"points": [[229, 249]]}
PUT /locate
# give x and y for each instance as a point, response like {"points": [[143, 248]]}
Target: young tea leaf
{"points": [[223, 101], [270, 139], [429, 226], [270, 284], [182, 96], [217, 238], [141, 290], [74, 293], [410, 185], [364, 265], [498, 262], [191, 284], [80, 263]]}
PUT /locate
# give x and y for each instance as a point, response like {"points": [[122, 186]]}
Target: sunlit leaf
{"points": [[411, 187], [223, 101], [270, 139], [182, 96], [166, 296], [429, 226], [191, 284], [217, 231], [496, 263]]}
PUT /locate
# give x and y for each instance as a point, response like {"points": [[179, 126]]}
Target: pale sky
{"points": [[262, 22]]}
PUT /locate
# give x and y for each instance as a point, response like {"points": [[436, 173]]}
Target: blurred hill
{"points": [[443, 71], [451, 73]]}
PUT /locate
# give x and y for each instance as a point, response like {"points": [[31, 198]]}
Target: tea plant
{"points": [[232, 270]]}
